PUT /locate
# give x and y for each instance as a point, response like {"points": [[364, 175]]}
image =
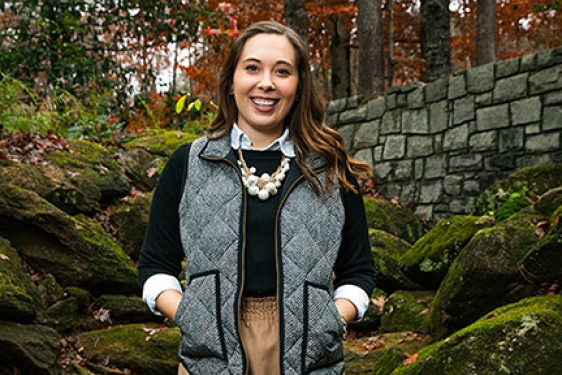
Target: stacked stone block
{"points": [[437, 146]]}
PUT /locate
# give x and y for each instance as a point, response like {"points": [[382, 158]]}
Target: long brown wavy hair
{"points": [[305, 119]]}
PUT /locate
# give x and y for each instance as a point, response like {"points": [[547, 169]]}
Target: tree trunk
{"points": [[390, 43], [485, 32], [340, 51], [371, 47], [295, 17], [436, 39]]}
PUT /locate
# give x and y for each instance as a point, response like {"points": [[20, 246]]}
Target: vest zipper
{"points": [[243, 265], [278, 274]]}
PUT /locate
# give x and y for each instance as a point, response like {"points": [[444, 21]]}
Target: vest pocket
{"points": [[323, 329], [198, 317]]}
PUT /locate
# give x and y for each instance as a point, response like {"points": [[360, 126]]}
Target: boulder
{"points": [[53, 183], [32, 348], [142, 167], [406, 311], [522, 338], [74, 249], [89, 163], [159, 142], [543, 263], [19, 298], [130, 218], [141, 348], [549, 202], [485, 275], [393, 219], [388, 251], [429, 259], [124, 310], [529, 181]]}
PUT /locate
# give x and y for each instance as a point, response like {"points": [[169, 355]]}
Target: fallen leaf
{"points": [[4, 257], [151, 171], [423, 312], [411, 359], [540, 232], [103, 315]]}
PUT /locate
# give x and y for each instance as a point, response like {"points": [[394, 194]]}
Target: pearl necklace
{"points": [[266, 185]]}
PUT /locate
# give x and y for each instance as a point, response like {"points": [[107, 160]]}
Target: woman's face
{"points": [[265, 85]]}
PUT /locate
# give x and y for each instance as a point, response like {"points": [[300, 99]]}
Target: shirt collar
{"points": [[239, 140]]}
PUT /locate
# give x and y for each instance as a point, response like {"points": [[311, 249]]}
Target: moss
{"points": [[391, 359], [510, 339], [386, 216], [160, 142], [406, 311], [132, 347], [535, 180], [428, 260]]}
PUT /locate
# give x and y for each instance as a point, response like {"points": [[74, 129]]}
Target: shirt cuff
{"points": [[155, 285], [355, 295]]}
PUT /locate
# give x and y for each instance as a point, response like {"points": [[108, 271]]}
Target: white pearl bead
{"points": [[270, 186], [253, 190], [280, 176], [265, 176], [263, 195], [252, 169], [252, 180], [277, 184]]}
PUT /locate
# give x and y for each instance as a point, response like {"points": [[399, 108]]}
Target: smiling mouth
{"points": [[267, 103]]}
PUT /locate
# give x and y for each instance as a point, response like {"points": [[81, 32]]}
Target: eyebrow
{"points": [[250, 59]]}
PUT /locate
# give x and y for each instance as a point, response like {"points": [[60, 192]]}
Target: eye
{"points": [[251, 68], [283, 71]]}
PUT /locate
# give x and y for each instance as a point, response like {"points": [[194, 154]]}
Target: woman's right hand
{"points": [[167, 303]]}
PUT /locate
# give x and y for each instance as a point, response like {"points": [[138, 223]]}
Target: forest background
{"points": [[98, 69]]}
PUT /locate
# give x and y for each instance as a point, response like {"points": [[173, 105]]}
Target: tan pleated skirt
{"points": [[259, 332]]}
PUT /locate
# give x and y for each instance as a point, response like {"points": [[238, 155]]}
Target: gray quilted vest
{"points": [[212, 232]]}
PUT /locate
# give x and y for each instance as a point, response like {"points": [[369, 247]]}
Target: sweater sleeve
{"points": [[162, 251], [354, 264]]}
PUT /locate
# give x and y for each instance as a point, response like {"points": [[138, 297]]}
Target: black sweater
{"points": [[162, 249]]}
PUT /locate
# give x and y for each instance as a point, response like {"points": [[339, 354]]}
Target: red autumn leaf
{"points": [[411, 359]]}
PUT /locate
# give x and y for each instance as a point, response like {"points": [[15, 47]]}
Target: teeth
{"points": [[264, 102]]}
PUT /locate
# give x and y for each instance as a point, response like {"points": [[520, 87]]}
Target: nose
{"points": [[266, 84]]}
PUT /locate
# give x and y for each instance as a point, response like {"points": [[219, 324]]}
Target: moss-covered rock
{"points": [[388, 361], [388, 217], [91, 164], [406, 311], [388, 251], [125, 309], [142, 167], [522, 338], [82, 296], [30, 348], [485, 274], [50, 290], [75, 249], [54, 184], [130, 217], [19, 298], [543, 263], [535, 180], [127, 347], [549, 202], [429, 259], [160, 142], [62, 315]]}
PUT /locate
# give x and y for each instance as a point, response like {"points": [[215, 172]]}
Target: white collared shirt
{"points": [[239, 139]]}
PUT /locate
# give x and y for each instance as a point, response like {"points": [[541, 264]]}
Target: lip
{"points": [[259, 105]]}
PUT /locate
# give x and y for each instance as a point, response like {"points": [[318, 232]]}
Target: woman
{"points": [[264, 253]]}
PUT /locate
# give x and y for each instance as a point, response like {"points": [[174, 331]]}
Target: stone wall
{"points": [[437, 146]]}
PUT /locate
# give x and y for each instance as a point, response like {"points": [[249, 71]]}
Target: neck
{"points": [[262, 140]]}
